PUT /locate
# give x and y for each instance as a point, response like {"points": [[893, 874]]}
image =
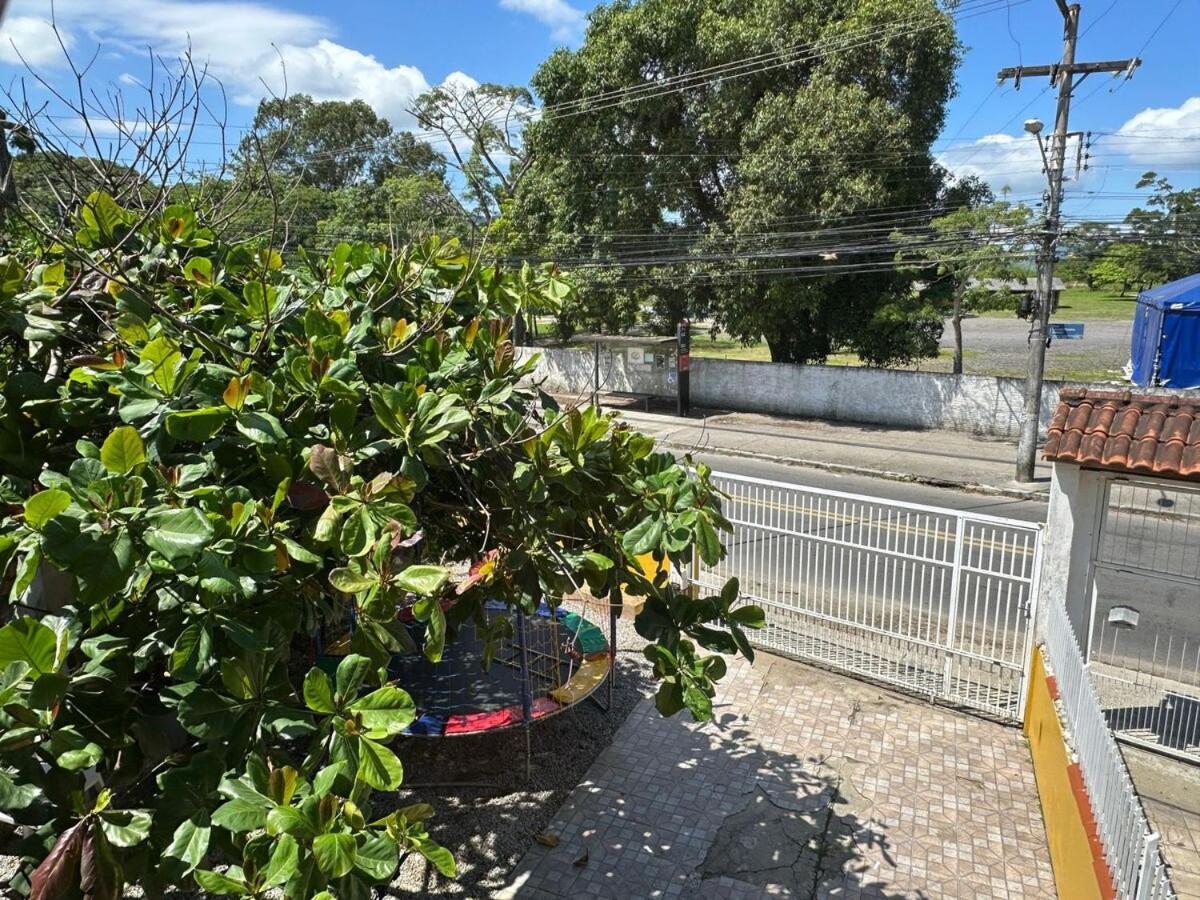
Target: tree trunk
{"points": [[956, 324]]}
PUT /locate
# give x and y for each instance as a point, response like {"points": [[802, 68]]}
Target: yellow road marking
{"points": [[984, 543]]}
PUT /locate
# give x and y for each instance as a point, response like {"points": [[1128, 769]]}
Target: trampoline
{"points": [[553, 660]]}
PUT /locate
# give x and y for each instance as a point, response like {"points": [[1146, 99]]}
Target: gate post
{"points": [[1031, 625], [1145, 881], [955, 590]]}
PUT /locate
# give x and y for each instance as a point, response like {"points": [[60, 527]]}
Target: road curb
{"points": [[972, 487]]}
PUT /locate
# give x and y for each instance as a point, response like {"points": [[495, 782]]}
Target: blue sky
{"points": [[387, 52]]}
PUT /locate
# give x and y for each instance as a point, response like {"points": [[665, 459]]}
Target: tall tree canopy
{"points": [[332, 144], [339, 172], [830, 123]]}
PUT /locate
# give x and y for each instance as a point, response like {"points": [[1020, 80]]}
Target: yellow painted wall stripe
{"points": [[1071, 853]]}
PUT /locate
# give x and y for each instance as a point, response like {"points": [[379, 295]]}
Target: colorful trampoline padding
{"points": [[584, 662], [588, 636], [586, 679]]}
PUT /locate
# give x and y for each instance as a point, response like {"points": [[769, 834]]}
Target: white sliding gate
{"points": [[936, 601]]}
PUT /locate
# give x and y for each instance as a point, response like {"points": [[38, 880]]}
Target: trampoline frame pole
{"points": [[526, 694], [614, 602]]}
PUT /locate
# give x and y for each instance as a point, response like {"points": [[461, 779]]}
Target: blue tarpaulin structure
{"points": [[1165, 350]]}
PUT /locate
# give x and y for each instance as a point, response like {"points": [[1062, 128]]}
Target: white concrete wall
{"points": [[573, 371], [980, 404], [1068, 543]]}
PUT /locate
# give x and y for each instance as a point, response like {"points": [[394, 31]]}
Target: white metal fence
{"points": [[933, 600], [1131, 848], [1144, 637]]}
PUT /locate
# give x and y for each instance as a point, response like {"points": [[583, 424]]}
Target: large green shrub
{"points": [[207, 454]]}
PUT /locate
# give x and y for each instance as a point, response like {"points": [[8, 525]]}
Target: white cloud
{"points": [[247, 45], [565, 21], [30, 38], [330, 71], [1161, 136], [1002, 160]]}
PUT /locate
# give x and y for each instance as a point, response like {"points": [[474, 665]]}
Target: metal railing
{"points": [[1131, 848], [1143, 644], [937, 601]]}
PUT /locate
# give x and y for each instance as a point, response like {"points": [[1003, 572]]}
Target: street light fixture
{"points": [[1034, 127]]}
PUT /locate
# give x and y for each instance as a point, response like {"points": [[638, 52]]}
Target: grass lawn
{"points": [[1082, 305]]}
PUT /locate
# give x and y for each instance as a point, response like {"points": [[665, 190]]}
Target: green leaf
{"points": [[81, 757], [102, 213], [162, 363], [668, 700], [423, 579], [326, 778], [189, 844], [27, 640], [442, 859], [377, 858], [385, 712], [16, 796], [199, 270], [318, 696], [698, 701], [707, 542], [122, 450], [358, 533], [350, 674], [643, 537], [44, 506], [178, 534], [197, 424], [261, 427], [192, 653], [239, 815], [290, 820], [749, 616], [221, 885], [352, 580], [378, 766], [335, 853], [125, 827], [285, 859], [429, 610]]}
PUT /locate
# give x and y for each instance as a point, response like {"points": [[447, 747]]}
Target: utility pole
{"points": [[1063, 74]]}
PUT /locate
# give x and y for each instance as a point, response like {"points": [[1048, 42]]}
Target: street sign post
{"points": [[1066, 331], [683, 366]]}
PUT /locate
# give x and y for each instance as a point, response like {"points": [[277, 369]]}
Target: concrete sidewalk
{"points": [[941, 458], [806, 784]]}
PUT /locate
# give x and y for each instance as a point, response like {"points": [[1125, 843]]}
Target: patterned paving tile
{"points": [[884, 797]]}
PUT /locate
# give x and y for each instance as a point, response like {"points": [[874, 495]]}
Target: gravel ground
{"points": [[999, 346], [488, 812]]}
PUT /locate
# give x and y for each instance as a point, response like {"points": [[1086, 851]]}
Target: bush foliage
{"points": [[210, 452]]}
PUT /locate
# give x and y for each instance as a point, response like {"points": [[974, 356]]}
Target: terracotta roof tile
{"points": [[1119, 430]]}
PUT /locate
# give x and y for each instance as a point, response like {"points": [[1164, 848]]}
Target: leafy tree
{"points": [[1128, 265], [1079, 247], [208, 453], [401, 209], [1169, 228], [962, 250], [684, 196], [331, 144], [481, 127]]}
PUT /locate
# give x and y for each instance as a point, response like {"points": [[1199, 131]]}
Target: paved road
{"points": [[1170, 610]]}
